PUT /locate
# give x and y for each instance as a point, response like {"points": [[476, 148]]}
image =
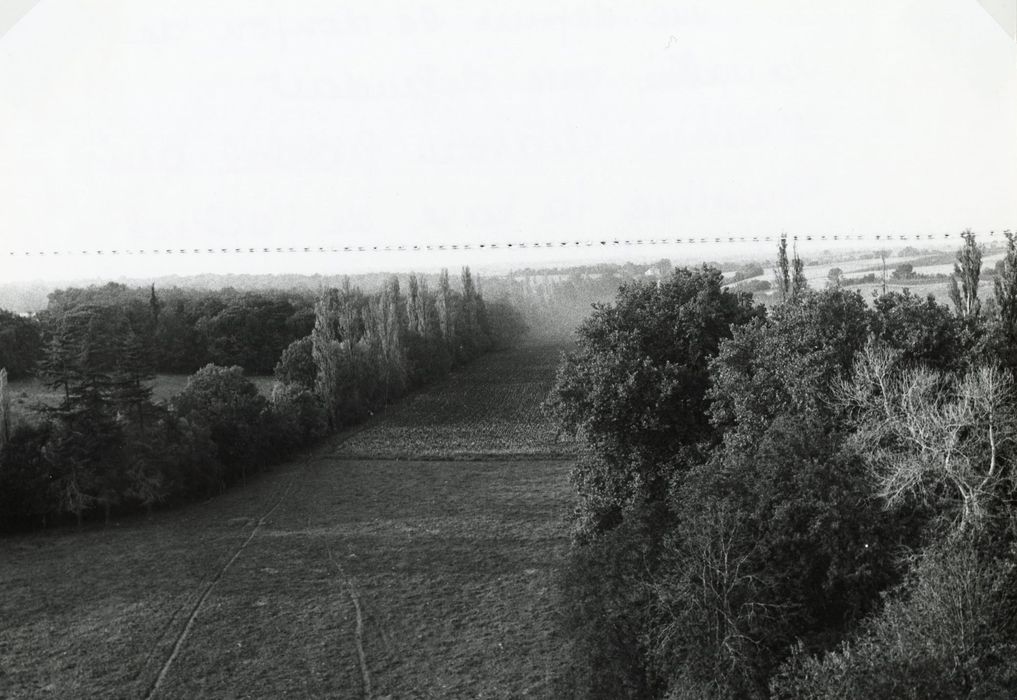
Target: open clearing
{"points": [[30, 393], [332, 576]]}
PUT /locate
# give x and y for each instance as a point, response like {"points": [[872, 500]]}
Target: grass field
{"points": [[493, 412], [332, 576], [27, 394], [818, 275]]}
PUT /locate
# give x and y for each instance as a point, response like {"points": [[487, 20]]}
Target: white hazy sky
{"points": [[260, 123]]}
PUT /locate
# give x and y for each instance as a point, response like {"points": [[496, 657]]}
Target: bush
{"points": [[296, 365], [170, 461], [948, 633], [603, 609], [20, 344], [228, 404], [298, 417], [25, 495]]}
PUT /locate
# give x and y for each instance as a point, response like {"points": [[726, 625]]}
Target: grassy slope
{"points": [[450, 564]]}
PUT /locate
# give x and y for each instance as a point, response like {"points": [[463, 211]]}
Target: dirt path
{"points": [[338, 576]]}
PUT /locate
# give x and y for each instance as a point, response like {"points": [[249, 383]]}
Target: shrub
{"points": [[948, 633], [296, 365], [25, 495], [228, 404], [298, 416]]}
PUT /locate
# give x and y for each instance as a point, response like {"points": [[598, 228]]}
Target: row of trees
{"points": [[105, 446], [366, 350], [815, 500]]}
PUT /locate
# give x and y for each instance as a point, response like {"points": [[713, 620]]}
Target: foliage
{"points": [[948, 632], [636, 386], [228, 404], [967, 268], [296, 365], [904, 271], [25, 495], [932, 435], [603, 609], [20, 344], [789, 274], [184, 329], [636, 391], [772, 528], [786, 363], [747, 272], [1003, 331], [921, 330], [299, 417], [368, 350]]}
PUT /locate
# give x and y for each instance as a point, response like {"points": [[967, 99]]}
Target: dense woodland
{"points": [[814, 500], [106, 446]]}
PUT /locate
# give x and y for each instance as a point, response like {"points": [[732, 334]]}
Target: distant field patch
{"points": [[490, 409]]}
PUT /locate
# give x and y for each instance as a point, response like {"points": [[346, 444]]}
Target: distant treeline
{"points": [[554, 302], [107, 447]]}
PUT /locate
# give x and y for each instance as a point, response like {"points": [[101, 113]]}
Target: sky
{"points": [[196, 125]]}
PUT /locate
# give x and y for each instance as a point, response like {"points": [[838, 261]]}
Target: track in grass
{"points": [[411, 577], [193, 616]]}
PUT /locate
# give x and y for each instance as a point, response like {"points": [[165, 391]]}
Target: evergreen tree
{"points": [[782, 273], [5, 409], [445, 305], [1005, 285], [968, 268], [132, 371], [798, 282]]}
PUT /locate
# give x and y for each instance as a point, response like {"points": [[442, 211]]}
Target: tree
{"points": [[927, 434], [85, 446], [923, 330], [782, 272], [790, 274], [131, 372], [5, 409], [1005, 326], [947, 632], [230, 406], [798, 282], [20, 344], [771, 524], [967, 268], [636, 387], [386, 331], [296, 364], [445, 304], [747, 272], [835, 277], [883, 254], [904, 271], [335, 349]]}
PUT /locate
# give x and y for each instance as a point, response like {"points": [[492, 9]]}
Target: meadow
{"points": [[388, 562]]}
